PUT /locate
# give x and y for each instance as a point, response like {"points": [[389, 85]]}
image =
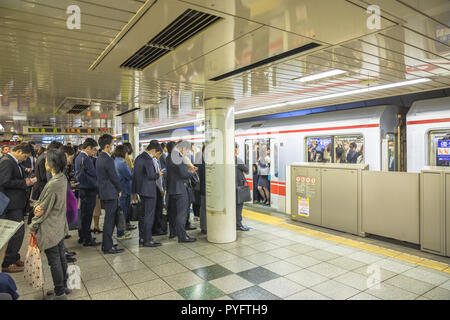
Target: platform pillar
{"points": [[133, 134], [220, 170]]}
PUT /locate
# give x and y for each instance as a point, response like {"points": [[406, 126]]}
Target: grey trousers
{"points": [[14, 244]]}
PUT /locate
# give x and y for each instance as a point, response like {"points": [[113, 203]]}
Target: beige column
{"points": [[220, 170]]}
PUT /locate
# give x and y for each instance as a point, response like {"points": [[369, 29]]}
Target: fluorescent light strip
{"points": [[340, 94], [321, 75], [171, 124]]}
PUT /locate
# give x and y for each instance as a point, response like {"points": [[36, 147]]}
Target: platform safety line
{"points": [[280, 222]]}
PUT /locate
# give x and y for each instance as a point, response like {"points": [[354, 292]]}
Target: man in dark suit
{"points": [[159, 227], [178, 176], [352, 155], [240, 171], [144, 184], [86, 176], [14, 184], [108, 191]]}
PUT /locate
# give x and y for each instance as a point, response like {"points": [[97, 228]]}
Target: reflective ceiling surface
{"points": [[47, 68]]}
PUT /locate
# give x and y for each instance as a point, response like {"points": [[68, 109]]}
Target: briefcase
{"points": [[135, 211], [243, 194], [4, 201], [120, 219]]}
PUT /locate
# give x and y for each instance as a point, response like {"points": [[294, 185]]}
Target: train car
{"points": [[428, 134], [315, 137]]}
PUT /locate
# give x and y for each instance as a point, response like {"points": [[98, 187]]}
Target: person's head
{"points": [[55, 161], [106, 142], [236, 148], [170, 145], [5, 149], [129, 148], [41, 151], [22, 151], [54, 145], [164, 147], [89, 146], [153, 147], [183, 147], [158, 152], [120, 151], [69, 152], [353, 146]]}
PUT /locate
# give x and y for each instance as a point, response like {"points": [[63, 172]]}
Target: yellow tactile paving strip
{"points": [[280, 222]]}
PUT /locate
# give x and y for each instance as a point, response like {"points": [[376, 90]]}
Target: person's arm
{"points": [[6, 181], [150, 170], [112, 174], [125, 171], [45, 203]]}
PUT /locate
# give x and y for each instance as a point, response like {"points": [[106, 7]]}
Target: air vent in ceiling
{"points": [[78, 108], [183, 28], [280, 56]]}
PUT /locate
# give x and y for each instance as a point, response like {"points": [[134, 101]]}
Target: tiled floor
{"points": [[267, 262]]}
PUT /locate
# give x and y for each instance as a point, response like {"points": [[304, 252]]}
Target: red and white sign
{"points": [[303, 179], [308, 180], [313, 180], [297, 179]]}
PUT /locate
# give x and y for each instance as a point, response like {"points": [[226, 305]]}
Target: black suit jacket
{"points": [[12, 183], [177, 174], [107, 178], [144, 176], [241, 168]]}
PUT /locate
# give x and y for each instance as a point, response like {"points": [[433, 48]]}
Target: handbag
{"points": [[33, 265], [121, 224], [135, 211], [71, 207], [243, 194], [4, 201]]}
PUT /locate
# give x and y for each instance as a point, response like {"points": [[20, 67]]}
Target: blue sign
{"points": [[125, 137], [443, 151]]}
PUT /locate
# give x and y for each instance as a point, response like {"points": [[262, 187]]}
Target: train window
{"points": [[247, 153], [275, 157], [319, 149], [391, 152], [439, 148], [349, 149]]}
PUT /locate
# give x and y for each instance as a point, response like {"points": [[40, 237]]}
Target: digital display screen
{"points": [[443, 150], [50, 130]]}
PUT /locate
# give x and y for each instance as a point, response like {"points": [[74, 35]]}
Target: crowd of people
{"points": [[345, 152], [104, 178]]}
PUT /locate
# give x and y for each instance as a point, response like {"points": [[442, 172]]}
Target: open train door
{"points": [[275, 187]]}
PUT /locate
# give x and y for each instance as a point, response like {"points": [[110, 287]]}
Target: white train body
{"points": [[289, 136], [425, 120]]}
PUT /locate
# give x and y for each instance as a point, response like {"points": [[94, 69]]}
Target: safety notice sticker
{"points": [[303, 206]]}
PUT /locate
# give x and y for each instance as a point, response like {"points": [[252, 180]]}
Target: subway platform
{"points": [[277, 259]]}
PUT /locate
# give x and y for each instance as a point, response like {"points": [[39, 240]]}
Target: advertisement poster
{"points": [[443, 150], [303, 206]]}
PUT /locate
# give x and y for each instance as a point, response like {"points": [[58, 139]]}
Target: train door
{"points": [[274, 174], [261, 169]]}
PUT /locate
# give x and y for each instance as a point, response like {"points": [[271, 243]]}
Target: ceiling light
{"points": [[339, 94], [321, 75], [171, 125]]}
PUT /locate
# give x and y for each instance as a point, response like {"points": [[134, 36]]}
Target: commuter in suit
{"points": [[178, 176], [159, 228], [87, 178], [200, 164], [108, 191], [5, 150], [241, 169], [171, 210], [144, 184], [14, 184]]}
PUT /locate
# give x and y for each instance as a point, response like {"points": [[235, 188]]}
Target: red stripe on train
{"points": [[428, 121]]}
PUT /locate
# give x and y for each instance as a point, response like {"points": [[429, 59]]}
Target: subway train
{"points": [[377, 132]]}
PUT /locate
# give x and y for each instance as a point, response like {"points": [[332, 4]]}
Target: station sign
{"points": [[72, 131], [443, 153]]}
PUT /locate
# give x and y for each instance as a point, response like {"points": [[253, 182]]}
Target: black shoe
{"points": [[190, 227], [203, 231], [68, 236], [159, 233], [66, 291], [113, 250], [70, 259], [242, 228], [70, 253], [93, 243], [152, 244], [188, 239], [96, 230]]}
